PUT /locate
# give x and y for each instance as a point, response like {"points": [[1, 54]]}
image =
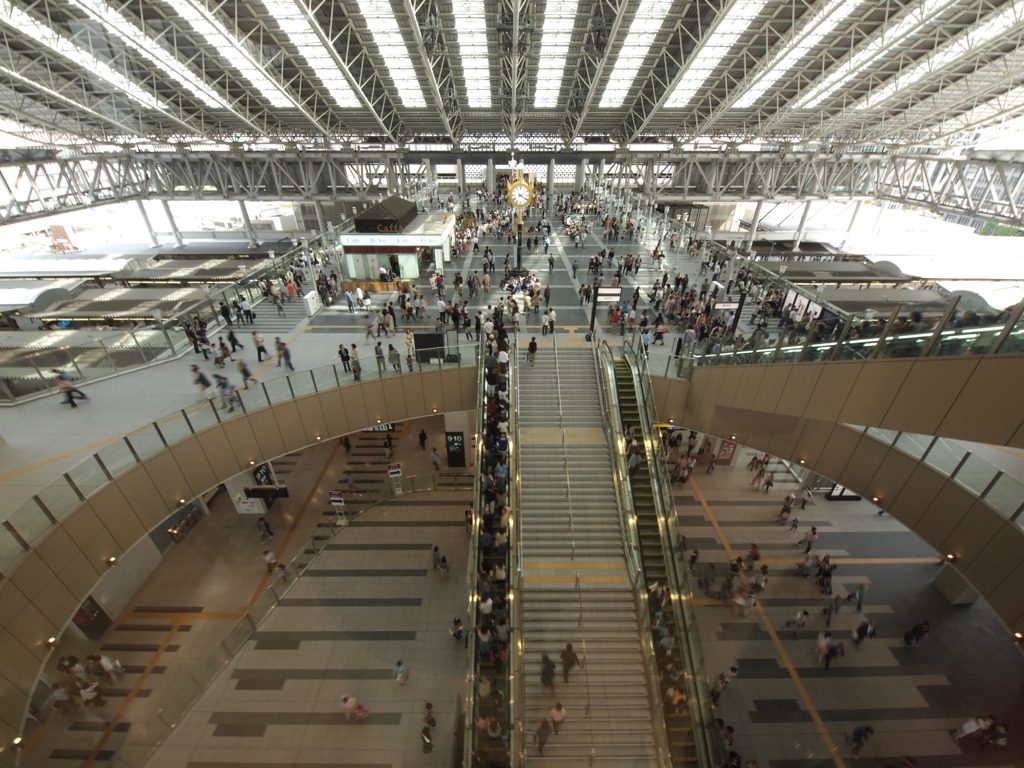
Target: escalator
{"points": [[652, 561]]}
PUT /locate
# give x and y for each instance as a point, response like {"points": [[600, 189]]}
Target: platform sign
{"points": [[336, 498], [394, 470]]}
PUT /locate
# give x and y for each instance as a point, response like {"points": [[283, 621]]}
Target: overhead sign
{"points": [[336, 497], [387, 239], [394, 470]]}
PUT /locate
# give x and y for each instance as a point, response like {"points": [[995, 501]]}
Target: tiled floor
{"points": [[370, 598], [788, 711]]}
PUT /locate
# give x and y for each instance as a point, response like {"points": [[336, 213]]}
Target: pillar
{"points": [[853, 220], [581, 176], [321, 218], [801, 229], [753, 226], [460, 176], [392, 176], [430, 189], [490, 175], [149, 226], [247, 224], [551, 179], [174, 227]]}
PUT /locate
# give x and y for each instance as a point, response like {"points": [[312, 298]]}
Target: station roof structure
{"points": [[503, 74]]}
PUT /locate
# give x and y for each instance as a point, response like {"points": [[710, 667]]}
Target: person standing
{"points": [[557, 716], [798, 622], [394, 359], [569, 660], [531, 351], [423, 439], [810, 539], [345, 357], [357, 367], [400, 672]]}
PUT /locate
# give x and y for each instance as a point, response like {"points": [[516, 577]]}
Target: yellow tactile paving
{"points": [[570, 578], [561, 565]]}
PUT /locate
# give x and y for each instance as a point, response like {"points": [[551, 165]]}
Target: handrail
{"points": [[516, 666], [708, 745], [604, 362]]}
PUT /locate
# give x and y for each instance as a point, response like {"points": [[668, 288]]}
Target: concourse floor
{"points": [[790, 712], [370, 599]]}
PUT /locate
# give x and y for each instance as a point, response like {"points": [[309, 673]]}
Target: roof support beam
{"points": [[428, 31], [515, 42]]}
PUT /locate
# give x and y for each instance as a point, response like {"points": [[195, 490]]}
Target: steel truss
{"points": [[515, 37], [37, 184]]}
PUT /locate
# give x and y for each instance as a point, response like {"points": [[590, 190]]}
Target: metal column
{"points": [[801, 229], [551, 179], [581, 176], [460, 176], [247, 223], [174, 227], [490, 175], [149, 227], [853, 220], [392, 172], [321, 218], [753, 226]]}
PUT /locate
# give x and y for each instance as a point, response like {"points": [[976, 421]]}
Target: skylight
{"points": [[646, 24], [389, 41], [156, 55], [232, 50], [714, 48], [471, 32], [559, 19], [814, 31], [877, 45], [41, 33], [959, 47], [296, 26]]}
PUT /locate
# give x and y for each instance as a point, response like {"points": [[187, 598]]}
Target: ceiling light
{"points": [[111, 562], [647, 22], [559, 18], [471, 33], [713, 49], [380, 18]]}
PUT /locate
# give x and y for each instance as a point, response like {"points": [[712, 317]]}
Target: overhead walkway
{"points": [[575, 585]]}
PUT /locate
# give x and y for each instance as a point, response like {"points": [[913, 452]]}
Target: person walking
{"points": [[378, 355], [198, 378], [809, 540], [428, 715], [285, 354], [569, 660], [547, 672], [423, 439], [557, 716], [916, 634], [542, 734], [798, 622], [863, 632], [247, 376], [394, 358], [400, 672], [261, 350], [834, 650], [769, 482], [858, 739], [264, 529], [435, 457], [531, 351]]}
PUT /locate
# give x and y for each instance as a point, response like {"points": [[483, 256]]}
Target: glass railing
{"points": [[194, 677], [997, 488], [29, 522], [707, 742]]}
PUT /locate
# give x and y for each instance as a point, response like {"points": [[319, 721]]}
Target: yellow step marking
{"points": [[564, 566], [570, 578]]}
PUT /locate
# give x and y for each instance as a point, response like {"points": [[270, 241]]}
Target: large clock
{"points": [[519, 194]]}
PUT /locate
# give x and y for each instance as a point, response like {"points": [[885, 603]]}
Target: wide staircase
{"points": [[575, 586], [652, 560]]}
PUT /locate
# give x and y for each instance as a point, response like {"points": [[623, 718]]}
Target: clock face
{"points": [[520, 195]]}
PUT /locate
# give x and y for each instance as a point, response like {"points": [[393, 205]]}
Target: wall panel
{"points": [[219, 453], [833, 387], [874, 389], [167, 477], [998, 558], [944, 514], [149, 504], [970, 537], [923, 399], [801, 381], [994, 389], [194, 467], [394, 395], [289, 427]]}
